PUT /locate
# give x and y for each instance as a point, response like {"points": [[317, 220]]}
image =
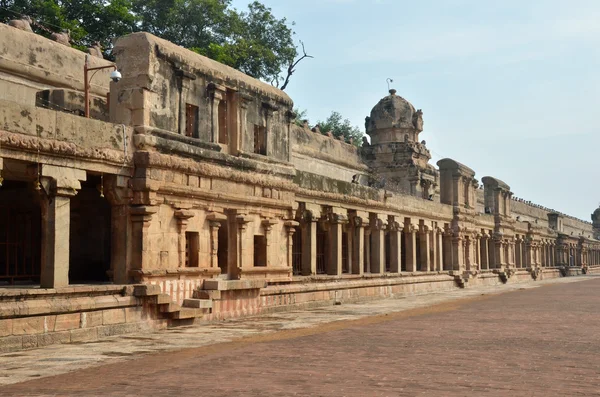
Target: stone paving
{"points": [[533, 341]]}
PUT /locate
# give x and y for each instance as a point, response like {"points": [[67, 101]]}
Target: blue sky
{"points": [[510, 89]]}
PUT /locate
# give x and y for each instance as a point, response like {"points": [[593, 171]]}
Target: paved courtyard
{"points": [[535, 339]]}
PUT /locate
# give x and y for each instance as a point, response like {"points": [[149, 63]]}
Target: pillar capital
{"points": [[61, 181]]}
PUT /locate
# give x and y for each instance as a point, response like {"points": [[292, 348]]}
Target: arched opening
{"points": [[89, 235], [20, 233]]}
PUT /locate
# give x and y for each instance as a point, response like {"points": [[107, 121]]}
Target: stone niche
{"points": [[457, 184], [497, 196]]}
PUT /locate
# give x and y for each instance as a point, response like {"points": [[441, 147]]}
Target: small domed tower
{"points": [[596, 223], [395, 153]]}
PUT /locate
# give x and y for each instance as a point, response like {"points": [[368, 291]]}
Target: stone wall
{"points": [[41, 64], [322, 155]]}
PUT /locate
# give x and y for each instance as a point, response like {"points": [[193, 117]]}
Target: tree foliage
{"points": [[254, 41], [334, 123], [338, 126]]}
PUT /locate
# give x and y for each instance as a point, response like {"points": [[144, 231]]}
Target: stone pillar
{"points": [[182, 220], [184, 87], [425, 266], [267, 225], [469, 262], [377, 226], [141, 217], [242, 247], [458, 253], [394, 228], [119, 195], [358, 254], [309, 244], [433, 249], [244, 101], [484, 255], [440, 250], [217, 93], [60, 184], [333, 226], [411, 246], [214, 223], [447, 250], [367, 255], [290, 228]]}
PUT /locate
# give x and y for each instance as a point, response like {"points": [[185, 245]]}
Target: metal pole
{"points": [[86, 87]]}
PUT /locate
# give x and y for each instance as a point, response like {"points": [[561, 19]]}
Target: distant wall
{"points": [[322, 155]]}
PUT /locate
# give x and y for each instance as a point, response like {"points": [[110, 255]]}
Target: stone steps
{"points": [[167, 309]]}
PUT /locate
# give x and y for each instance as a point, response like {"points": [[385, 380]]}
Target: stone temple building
{"points": [[190, 194]]}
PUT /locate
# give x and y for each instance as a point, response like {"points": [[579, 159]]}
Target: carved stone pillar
{"points": [[216, 94], [411, 246], [335, 223], [458, 253], [60, 184], [377, 246], [268, 227], [358, 254], [182, 217], [440, 250], [395, 246], [367, 250], [141, 254], [119, 195], [290, 228], [425, 264], [309, 244], [484, 244], [243, 251], [433, 249], [214, 223], [447, 250]]}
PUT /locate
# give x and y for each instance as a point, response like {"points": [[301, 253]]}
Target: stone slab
{"points": [[229, 285]]}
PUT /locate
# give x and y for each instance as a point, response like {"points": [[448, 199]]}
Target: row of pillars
{"points": [[366, 241]]}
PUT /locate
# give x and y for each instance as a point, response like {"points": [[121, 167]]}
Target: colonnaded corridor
{"points": [[525, 342]]}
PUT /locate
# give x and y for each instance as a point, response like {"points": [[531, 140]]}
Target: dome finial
{"points": [[390, 90]]}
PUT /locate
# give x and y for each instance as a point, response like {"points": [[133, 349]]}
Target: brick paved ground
{"points": [[534, 342]]}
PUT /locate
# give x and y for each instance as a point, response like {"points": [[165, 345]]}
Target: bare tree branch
{"points": [[291, 68]]}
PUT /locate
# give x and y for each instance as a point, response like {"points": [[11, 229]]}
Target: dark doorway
{"points": [[20, 234], [222, 247], [297, 251], [89, 245], [322, 248]]}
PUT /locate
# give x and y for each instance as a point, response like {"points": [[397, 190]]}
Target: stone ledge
{"points": [[48, 306], [229, 285], [353, 284], [42, 293]]}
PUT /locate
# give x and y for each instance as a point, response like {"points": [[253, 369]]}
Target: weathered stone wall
{"points": [[161, 79], [326, 156], [41, 64]]}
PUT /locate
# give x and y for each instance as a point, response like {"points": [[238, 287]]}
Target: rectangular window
{"points": [[260, 140], [192, 245], [191, 120], [260, 251]]}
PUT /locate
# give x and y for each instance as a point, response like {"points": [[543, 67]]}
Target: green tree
{"points": [[339, 126], [253, 41]]}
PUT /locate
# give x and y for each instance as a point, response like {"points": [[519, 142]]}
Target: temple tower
{"points": [[395, 154]]}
